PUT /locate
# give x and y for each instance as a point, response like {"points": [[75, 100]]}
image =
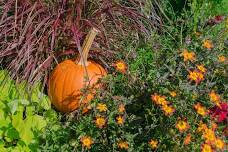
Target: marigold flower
{"points": [[208, 44], [168, 110], [187, 139], [201, 68], [188, 56], [121, 66], [215, 98], [86, 141], [182, 125], [200, 109], [100, 121], [102, 107], [173, 93], [120, 120], [221, 58], [121, 108], [219, 144], [160, 100], [153, 144], [206, 148], [196, 76], [209, 135], [202, 127], [123, 145]]}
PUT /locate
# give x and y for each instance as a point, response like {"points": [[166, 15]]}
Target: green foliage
{"points": [[20, 121], [27, 122]]}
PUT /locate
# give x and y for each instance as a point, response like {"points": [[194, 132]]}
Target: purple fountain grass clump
{"points": [[34, 34]]}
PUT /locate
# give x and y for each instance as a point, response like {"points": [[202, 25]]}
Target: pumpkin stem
{"points": [[87, 45]]}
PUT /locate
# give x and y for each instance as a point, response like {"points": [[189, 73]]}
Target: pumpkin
{"points": [[73, 83]]}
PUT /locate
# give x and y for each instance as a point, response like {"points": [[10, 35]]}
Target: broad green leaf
{"points": [[1, 134], [30, 111], [26, 134], [4, 119], [38, 122], [2, 148], [17, 121], [11, 134], [13, 106], [45, 103], [20, 148]]}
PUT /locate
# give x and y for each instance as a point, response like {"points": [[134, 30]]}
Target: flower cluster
{"points": [[153, 144], [207, 44], [188, 55], [163, 103], [123, 145], [100, 122], [182, 125], [201, 110], [215, 98], [210, 140], [86, 141], [197, 75], [120, 66]]}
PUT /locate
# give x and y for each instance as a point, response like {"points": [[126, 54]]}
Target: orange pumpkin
{"points": [[72, 84]]}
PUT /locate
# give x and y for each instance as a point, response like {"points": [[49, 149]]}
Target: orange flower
{"points": [[188, 56], [219, 144], [173, 93], [200, 109], [201, 68], [153, 144], [120, 120], [123, 145], [221, 58], [160, 100], [100, 121], [102, 107], [168, 110], [121, 66], [121, 108], [208, 44], [86, 109], [202, 127], [209, 136], [196, 76], [187, 139], [86, 141], [182, 125], [214, 98], [206, 148]]}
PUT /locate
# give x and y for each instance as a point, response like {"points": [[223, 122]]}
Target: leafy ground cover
{"points": [[168, 93]]}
